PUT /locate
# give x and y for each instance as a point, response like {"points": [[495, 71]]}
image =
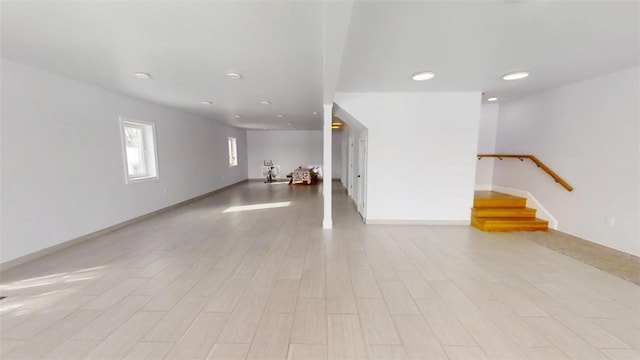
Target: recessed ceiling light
{"points": [[265, 102], [234, 76], [280, 116], [206, 103], [142, 75], [517, 75], [289, 123], [315, 113], [237, 116], [423, 75], [492, 99]]}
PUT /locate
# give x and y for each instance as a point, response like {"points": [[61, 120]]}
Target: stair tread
{"points": [[498, 212]]}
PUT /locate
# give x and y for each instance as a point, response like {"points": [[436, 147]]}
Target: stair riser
{"points": [[500, 203], [510, 228], [524, 225], [512, 212], [494, 211]]}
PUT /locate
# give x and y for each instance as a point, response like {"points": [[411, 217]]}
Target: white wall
{"points": [[350, 140], [421, 154], [352, 132], [349, 159], [62, 163], [336, 154], [487, 144], [344, 157], [587, 132], [289, 149]]}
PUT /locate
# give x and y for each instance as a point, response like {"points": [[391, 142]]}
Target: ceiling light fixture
{"points": [[142, 75], [423, 75], [336, 124], [280, 116], [265, 102], [206, 103], [492, 99], [289, 123], [237, 116], [516, 75], [315, 113], [335, 127], [234, 76]]}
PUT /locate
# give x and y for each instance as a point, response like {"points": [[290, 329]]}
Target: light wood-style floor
{"points": [[199, 283]]}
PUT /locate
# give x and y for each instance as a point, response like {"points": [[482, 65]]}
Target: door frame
{"points": [[362, 177]]}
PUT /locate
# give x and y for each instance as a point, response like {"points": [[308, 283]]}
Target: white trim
{"points": [[232, 144], [532, 202], [327, 135], [68, 243], [57, 247], [141, 124], [363, 149], [415, 222]]}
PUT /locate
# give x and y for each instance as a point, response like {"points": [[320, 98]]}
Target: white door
{"points": [[350, 168], [361, 177]]}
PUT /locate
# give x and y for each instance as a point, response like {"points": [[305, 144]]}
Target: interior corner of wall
{"points": [[532, 202]]}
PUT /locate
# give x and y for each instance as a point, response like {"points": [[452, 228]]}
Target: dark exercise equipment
{"points": [[271, 171]]}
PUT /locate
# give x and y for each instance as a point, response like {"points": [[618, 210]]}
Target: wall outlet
{"points": [[610, 220]]}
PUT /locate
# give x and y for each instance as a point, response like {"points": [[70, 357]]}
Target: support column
{"points": [[327, 222]]}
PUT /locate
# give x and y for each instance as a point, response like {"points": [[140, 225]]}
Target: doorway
{"points": [[361, 178]]}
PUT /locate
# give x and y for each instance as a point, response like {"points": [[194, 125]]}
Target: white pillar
{"points": [[327, 222]]}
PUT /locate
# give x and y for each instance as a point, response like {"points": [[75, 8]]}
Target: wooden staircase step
{"points": [[509, 224], [493, 199], [508, 212]]}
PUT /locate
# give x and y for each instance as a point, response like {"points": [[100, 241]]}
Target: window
{"points": [[233, 152], [138, 140]]}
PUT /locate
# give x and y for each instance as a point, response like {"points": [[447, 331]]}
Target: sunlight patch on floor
{"points": [[258, 206]]}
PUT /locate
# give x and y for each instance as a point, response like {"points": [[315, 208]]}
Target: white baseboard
{"points": [[532, 202], [63, 245], [415, 222], [55, 248]]}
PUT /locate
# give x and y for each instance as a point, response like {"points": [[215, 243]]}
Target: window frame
{"points": [[149, 150], [233, 143]]}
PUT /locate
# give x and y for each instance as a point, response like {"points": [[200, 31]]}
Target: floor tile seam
{"points": [[395, 328]]}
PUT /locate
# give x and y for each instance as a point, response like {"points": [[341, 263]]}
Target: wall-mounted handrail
{"points": [[539, 163]]}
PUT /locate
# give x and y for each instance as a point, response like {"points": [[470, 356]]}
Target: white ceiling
{"points": [[469, 46], [187, 47], [283, 49]]}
